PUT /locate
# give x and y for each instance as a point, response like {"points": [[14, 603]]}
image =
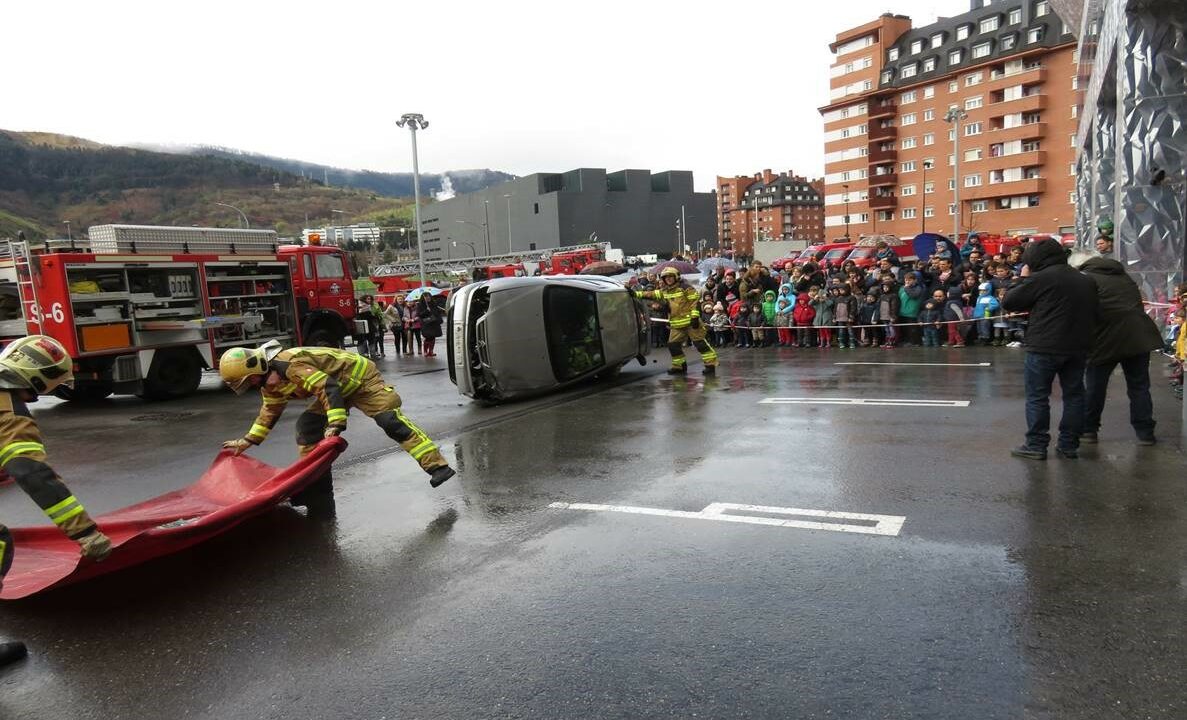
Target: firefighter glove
{"points": [[333, 431], [95, 546], [238, 445], [695, 323]]}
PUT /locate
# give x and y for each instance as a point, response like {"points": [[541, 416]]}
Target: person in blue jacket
{"points": [[986, 307]]}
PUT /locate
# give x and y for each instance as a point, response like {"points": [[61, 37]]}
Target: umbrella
{"points": [[708, 266], [414, 295], [682, 267], [925, 245], [602, 267]]}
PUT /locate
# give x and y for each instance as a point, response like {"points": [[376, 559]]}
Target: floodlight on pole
{"points": [[414, 122], [242, 215], [954, 116]]}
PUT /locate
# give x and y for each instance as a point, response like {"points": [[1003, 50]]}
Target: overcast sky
{"points": [[521, 86]]}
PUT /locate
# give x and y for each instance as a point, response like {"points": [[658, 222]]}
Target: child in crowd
{"points": [[823, 304], [803, 314], [659, 330], [768, 317], [888, 307], [954, 310], [1180, 320], [930, 317], [844, 313], [1001, 325], [741, 323], [783, 319], [868, 318], [756, 325], [984, 309], [719, 324]]}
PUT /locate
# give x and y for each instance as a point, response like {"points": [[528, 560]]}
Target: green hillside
{"points": [[47, 179]]}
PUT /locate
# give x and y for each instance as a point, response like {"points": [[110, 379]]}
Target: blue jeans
{"points": [[1040, 372], [1137, 384]]}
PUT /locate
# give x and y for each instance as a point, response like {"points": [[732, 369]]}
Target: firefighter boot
{"points": [[710, 370], [318, 496], [439, 475], [12, 651]]}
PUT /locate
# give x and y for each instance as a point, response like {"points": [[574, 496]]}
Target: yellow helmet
{"points": [[669, 272], [238, 364], [38, 363]]}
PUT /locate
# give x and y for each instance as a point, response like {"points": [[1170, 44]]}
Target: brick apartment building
{"points": [[788, 207], [1007, 68]]}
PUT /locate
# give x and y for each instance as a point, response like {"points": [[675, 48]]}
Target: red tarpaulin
{"points": [[231, 491]]}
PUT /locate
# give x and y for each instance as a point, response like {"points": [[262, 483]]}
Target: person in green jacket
{"points": [[769, 334], [911, 295]]}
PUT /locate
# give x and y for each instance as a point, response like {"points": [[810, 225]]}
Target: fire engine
{"points": [[144, 309], [396, 278]]}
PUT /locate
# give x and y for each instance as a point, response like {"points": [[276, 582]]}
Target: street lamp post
{"points": [[507, 197], [486, 224], [923, 205], [485, 232], [845, 189], [415, 121], [954, 116], [473, 251], [242, 216], [68, 235]]}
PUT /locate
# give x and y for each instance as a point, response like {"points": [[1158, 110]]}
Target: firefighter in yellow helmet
{"points": [[336, 381], [684, 320], [29, 367]]}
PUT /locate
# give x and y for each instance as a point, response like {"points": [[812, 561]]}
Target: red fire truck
{"points": [[143, 309]]}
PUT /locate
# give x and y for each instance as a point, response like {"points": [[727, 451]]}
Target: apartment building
{"points": [[766, 206], [975, 113]]}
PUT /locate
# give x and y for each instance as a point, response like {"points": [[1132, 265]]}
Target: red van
{"points": [[864, 250]]}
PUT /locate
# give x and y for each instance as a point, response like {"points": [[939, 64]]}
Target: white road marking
{"points": [[911, 364], [883, 524], [896, 402]]}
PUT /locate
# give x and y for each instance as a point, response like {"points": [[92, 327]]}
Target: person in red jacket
{"points": [[803, 315]]}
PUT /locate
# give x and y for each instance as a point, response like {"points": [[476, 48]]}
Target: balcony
{"points": [[1001, 81], [883, 179], [883, 202], [883, 133], [877, 157], [1032, 186], [1028, 104], [1031, 131], [1022, 159], [882, 110]]}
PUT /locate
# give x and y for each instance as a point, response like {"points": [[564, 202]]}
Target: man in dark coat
{"points": [[1125, 334], [1063, 307]]}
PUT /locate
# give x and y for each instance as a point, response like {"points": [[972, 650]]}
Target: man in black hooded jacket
{"points": [[1062, 305]]}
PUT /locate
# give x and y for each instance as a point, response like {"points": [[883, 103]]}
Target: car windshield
{"points": [[809, 251], [861, 253], [574, 340], [836, 253]]}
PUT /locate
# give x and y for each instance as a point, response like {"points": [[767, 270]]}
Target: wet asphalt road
{"points": [[1015, 589]]}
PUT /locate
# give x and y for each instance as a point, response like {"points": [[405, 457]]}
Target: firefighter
{"points": [[29, 367], [684, 320], [337, 381]]}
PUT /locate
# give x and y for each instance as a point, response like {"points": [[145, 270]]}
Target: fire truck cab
{"points": [[144, 310]]}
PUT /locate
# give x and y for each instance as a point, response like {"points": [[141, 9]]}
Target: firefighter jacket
{"points": [[682, 301], [328, 375]]}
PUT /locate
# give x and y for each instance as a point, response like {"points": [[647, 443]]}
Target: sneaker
{"points": [[440, 475], [1145, 441], [12, 651], [958, 345], [1025, 451], [1067, 453], [1089, 438]]}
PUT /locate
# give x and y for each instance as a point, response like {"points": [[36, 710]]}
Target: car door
{"points": [[335, 289]]}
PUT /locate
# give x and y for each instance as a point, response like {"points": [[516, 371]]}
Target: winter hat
{"points": [[984, 287], [718, 307]]}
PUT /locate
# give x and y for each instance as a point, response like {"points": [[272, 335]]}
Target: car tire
{"points": [[174, 374], [85, 393]]}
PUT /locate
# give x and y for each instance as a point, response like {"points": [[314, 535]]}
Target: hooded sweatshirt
{"points": [[768, 308], [1062, 303], [803, 313], [844, 309], [823, 305], [987, 304], [1123, 327]]}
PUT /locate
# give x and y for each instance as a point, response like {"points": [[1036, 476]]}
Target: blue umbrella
{"points": [[414, 295], [925, 246]]}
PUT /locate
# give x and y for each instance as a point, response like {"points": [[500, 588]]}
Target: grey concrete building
{"points": [[633, 210]]}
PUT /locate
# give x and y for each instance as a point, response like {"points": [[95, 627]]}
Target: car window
{"points": [[329, 266], [574, 337]]}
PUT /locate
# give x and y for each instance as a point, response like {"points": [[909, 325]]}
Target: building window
{"points": [[929, 187], [963, 31], [1034, 35], [930, 91], [908, 143], [909, 70], [916, 47], [867, 85], [989, 24], [951, 209], [974, 79], [953, 86], [907, 190], [892, 55], [1041, 8], [863, 217], [909, 166], [536, 207], [929, 64], [951, 136], [929, 114], [972, 155], [1071, 197], [1032, 201], [972, 129], [887, 76], [973, 103], [954, 57], [951, 183], [929, 212], [907, 97], [929, 138], [972, 180], [980, 205], [909, 119], [844, 112], [1015, 16], [1008, 41], [1071, 169], [937, 40], [908, 213], [981, 50]]}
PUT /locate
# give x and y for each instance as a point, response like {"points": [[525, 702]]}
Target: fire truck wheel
{"points": [[91, 392], [174, 374]]}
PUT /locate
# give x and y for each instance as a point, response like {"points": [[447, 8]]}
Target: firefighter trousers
{"points": [[676, 338], [380, 402]]}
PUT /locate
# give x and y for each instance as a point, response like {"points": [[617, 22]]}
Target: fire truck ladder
{"points": [[18, 251], [468, 264]]}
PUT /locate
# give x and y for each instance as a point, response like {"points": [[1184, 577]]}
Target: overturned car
{"points": [[514, 337]]}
